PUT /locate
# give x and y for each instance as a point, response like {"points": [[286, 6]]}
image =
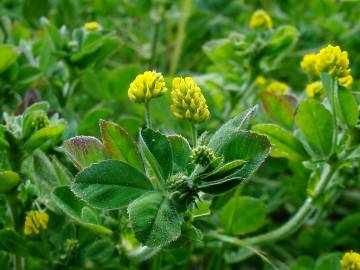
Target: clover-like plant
{"points": [[159, 179]]}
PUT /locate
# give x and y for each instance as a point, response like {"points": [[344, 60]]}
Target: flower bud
{"points": [[315, 90], [146, 86], [35, 221], [260, 20], [202, 155], [92, 26], [187, 100], [40, 120], [351, 261]]}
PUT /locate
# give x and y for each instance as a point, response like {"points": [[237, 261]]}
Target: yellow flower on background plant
{"points": [[260, 81], [92, 26], [146, 86], [336, 62], [315, 90], [187, 100], [35, 221], [350, 261], [308, 64], [277, 87], [260, 19]]}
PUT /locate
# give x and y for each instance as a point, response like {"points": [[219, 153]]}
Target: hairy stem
{"points": [[147, 114], [180, 36], [193, 134]]}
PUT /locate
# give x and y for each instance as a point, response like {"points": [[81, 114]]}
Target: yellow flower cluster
{"points": [[271, 86], [308, 64], [92, 26], [351, 261], [146, 86], [260, 19], [332, 60], [35, 221], [187, 100], [315, 90]]}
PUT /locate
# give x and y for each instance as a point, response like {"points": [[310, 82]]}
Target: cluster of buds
{"points": [[188, 101], [315, 90], [40, 120], [260, 19], [351, 261], [35, 221], [184, 192], [147, 86], [330, 59], [272, 86], [202, 155]]}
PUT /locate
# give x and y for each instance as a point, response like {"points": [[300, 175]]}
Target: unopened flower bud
{"points": [[202, 155]]}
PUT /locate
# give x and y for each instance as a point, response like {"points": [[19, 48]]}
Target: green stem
{"points": [[15, 215], [294, 223], [193, 134], [154, 44], [333, 97], [147, 114], [180, 36]]}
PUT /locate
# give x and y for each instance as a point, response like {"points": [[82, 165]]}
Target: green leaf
{"points": [[110, 184], [329, 261], [233, 125], [281, 108], [241, 145], [8, 56], [84, 151], [12, 242], [42, 136], [242, 215], [8, 181], [346, 107], [154, 220], [181, 152], [223, 171], [284, 144], [157, 150], [75, 208], [120, 145], [316, 123]]}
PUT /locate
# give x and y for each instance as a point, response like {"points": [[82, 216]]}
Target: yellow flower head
{"points": [[35, 221], [187, 100], [308, 64], [331, 59], [146, 86], [92, 26], [315, 90], [260, 19], [351, 261], [260, 81], [277, 87]]}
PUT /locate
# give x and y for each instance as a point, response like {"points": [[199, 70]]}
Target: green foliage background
{"points": [[45, 56]]}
